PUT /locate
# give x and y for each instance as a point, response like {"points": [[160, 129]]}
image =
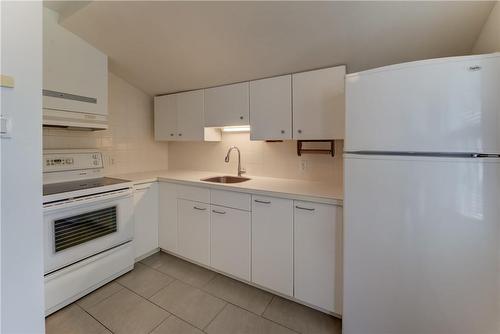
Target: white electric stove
{"points": [[88, 226]]}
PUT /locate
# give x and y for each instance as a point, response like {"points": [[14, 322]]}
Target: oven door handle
{"points": [[84, 200]]}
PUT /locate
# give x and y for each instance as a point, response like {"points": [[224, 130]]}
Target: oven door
{"points": [[79, 228]]}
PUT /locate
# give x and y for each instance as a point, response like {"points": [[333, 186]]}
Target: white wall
{"points": [[489, 39], [128, 145], [21, 202]]}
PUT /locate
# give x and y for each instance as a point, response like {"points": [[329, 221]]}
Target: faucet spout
{"points": [[240, 170]]}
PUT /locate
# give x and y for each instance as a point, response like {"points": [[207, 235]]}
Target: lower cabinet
{"points": [[318, 255], [230, 241], [272, 243], [291, 247], [194, 230], [167, 225], [145, 218]]}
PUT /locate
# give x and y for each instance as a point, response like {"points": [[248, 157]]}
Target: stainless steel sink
{"points": [[226, 179]]}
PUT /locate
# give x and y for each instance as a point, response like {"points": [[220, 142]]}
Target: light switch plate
{"points": [[5, 127]]}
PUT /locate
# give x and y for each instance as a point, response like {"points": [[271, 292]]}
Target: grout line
{"points": [[222, 309], [161, 322], [157, 292], [111, 295], [267, 306], [210, 281], [84, 310], [274, 296], [215, 296]]}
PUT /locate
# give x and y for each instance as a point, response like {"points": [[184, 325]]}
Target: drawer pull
{"points": [[219, 212], [197, 208], [302, 208], [263, 202]]}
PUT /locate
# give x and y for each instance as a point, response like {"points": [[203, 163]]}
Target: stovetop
{"points": [[63, 187]]}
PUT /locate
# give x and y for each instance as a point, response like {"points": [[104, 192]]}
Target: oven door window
{"points": [[78, 229]]}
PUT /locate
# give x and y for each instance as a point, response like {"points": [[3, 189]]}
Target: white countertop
{"points": [[287, 188]]}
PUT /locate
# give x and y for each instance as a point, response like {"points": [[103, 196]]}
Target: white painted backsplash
{"points": [[259, 158]]}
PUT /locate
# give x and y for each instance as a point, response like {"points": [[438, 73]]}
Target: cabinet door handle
{"points": [[263, 202], [197, 208], [302, 208], [219, 212]]}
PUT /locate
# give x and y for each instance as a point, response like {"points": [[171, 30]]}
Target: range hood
{"points": [[74, 120]]}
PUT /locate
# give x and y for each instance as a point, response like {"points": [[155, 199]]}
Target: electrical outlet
{"points": [[303, 165], [108, 160]]}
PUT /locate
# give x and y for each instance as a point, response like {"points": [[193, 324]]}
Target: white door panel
{"points": [[272, 243], [271, 108], [319, 104], [317, 256], [194, 230], [190, 120], [227, 105], [167, 225], [165, 117], [421, 245], [145, 218], [230, 241], [430, 106]]}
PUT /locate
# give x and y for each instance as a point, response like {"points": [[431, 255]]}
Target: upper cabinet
{"points": [[227, 105], [180, 117], [75, 74], [271, 108], [165, 113], [302, 106], [319, 104]]}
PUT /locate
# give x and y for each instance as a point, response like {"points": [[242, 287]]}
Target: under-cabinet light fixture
{"points": [[241, 128]]}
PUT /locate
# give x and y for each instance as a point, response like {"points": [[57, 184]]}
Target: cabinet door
{"points": [[230, 241], [165, 112], [145, 218], [227, 105], [194, 230], [317, 247], [319, 104], [167, 229], [271, 108], [272, 243], [190, 120]]}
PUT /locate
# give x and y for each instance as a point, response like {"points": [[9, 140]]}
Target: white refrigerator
{"points": [[422, 198]]}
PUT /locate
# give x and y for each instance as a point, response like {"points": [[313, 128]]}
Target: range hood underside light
{"points": [[240, 128]]}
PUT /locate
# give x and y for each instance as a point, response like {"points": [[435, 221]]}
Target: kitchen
{"points": [[197, 189]]}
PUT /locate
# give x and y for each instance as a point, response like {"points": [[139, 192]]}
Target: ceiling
{"points": [[164, 47]]}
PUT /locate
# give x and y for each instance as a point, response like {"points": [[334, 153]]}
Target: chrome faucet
{"points": [[240, 170]]}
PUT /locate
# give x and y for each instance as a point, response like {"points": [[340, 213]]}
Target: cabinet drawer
{"points": [[230, 199], [196, 194]]}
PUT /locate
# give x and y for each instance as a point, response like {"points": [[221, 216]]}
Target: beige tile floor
{"points": [[166, 295]]}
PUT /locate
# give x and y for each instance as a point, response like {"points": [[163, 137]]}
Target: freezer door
{"points": [[450, 105], [421, 246]]}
